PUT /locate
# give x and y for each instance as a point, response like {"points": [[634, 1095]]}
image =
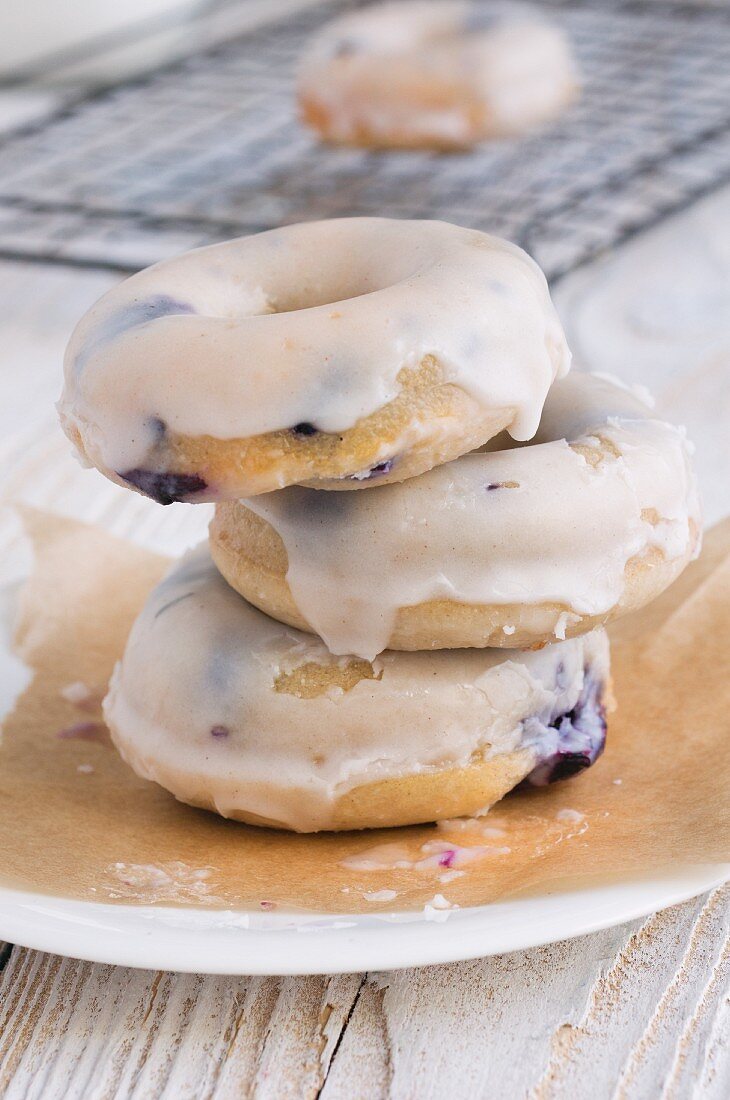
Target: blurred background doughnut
{"points": [[435, 74]]}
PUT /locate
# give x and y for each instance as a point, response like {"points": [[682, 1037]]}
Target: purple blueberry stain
{"points": [[85, 731], [447, 858], [561, 676], [157, 428], [129, 317], [165, 488], [220, 733], [150, 309], [570, 742], [380, 470]]}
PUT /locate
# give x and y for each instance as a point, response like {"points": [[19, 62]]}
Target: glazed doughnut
{"points": [[231, 711], [439, 75], [595, 517], [334, 353]]}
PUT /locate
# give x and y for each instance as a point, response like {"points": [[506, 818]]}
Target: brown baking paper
{"points": [[77, 822]]}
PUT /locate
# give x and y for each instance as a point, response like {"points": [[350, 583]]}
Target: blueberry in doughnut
{"points": [[342, 354], [513, 547], [232, 711]]}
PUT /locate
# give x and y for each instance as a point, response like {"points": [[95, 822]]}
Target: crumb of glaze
{"points": [[572, 817], [560, 625], [432, 856], [449, 876], [438, 915], [85, 769], [509, 629], [76, 693], [380, 895], [438, 908], [565, 619], [150, 883]]}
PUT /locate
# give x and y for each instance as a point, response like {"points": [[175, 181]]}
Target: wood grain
{"points": [[638, 1011], [73, 1029]]}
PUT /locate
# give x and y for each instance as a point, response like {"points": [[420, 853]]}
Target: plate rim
{"points": [[147, 937], [180, 939]]}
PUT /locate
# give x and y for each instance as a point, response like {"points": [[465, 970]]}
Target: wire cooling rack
{"points": [[210, 147]]}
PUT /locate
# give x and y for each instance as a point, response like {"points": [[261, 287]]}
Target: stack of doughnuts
{"points": [[422, 522], [437, 74]]}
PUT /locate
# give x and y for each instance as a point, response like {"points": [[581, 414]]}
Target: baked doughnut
{"points": [[594, 518], [336, 353], [437, 75], [231, 711]]}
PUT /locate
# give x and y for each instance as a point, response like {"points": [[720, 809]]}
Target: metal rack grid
{"points": [[210, 147]]}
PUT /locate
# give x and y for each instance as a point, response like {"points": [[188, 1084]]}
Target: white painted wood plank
{"points": [[363, 1066], [544, 1022], [639, 1011], [633, 1028], [70, 1029], [673, 1048], [714, 1081]]}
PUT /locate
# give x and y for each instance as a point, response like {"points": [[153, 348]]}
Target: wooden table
{"points": [[641, 1010]]}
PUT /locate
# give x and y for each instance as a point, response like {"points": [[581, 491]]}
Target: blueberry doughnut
{"points": [[340, 354], [234, 712], [437, 75], [512, 548]]}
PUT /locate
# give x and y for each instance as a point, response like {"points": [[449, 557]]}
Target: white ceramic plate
{"points": [[215, 941], [235, 942]]}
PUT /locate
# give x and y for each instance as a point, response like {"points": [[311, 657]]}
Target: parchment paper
{"points": [[77, 822]]}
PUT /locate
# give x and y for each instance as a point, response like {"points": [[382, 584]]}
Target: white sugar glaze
{"points": [[310, 323], [552, 528], [500, 68], [200, 660]]}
